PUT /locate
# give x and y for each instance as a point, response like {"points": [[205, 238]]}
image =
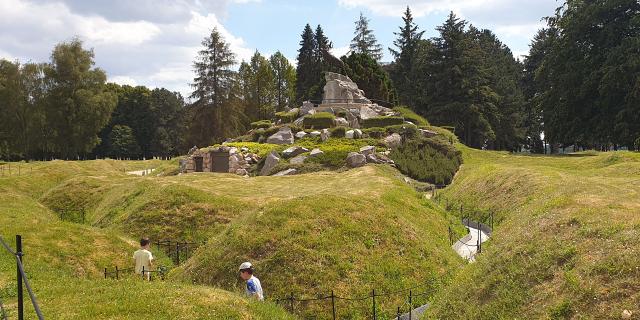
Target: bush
{"points": [[338, 132], [381, 122], [335, 150], [286, 117], [320, 120], [637, 144], [409, 115], [300, 168], [341, 113], [261, 124], [375, 132], [407, 129], [428, 160], [449, 128]]}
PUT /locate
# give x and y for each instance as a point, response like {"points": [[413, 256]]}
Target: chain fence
{"points": [[21, 278]]}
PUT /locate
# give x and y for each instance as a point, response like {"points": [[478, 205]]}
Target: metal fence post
{"points": [[398, 314], [177, 253], [291, 300], [105, 273], [142, 272], [373, 295], [410, 304], [333, 304], [117, 273], [20, 293]]}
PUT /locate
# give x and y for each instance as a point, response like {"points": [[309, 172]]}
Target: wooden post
{"points": [[117, 273], [398, 314], [177, 253], [19, 278], [291, 300], [410, 304], [142, 272], [105, 273]]}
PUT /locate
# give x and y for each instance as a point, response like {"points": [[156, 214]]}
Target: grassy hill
{"points": [[309, 234], [64, 260], [565, 246]]}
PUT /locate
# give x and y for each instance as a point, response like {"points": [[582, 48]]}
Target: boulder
{"points": [[349, 134], [355, 160], [314, 134], [340, 89], [269, 163], [283, 136], [357, 133], [287, 172], [324, 135], [298, 159], [294, 110], [367, 150], [393, 141], [244, 149], [341, 122], [300, 134], [316, 152], [242, 172], [307, 108], [294, 151], [299, 122], [366, 112], [428, 133]]}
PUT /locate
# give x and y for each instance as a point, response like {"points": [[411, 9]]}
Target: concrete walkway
{"points": [[467, 247]]}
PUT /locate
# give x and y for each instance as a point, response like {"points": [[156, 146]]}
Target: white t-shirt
{"points": [[254, 288], [143, 257]]}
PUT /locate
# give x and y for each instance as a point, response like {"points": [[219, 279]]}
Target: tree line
{"points": [[578, 86]]}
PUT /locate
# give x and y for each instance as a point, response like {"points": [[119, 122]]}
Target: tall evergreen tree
{"points": [[284, 76], [261, 89], [402, 68], [306, 71], [364, 40], [211, 117]]}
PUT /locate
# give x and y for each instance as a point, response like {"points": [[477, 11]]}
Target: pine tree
{"points": [[402, 68], [284, 81], [364, 40], [212, 119], [306, 72], [261, 89]]}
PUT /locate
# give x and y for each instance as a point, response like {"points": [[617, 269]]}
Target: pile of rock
{"points": [[366, 155]]}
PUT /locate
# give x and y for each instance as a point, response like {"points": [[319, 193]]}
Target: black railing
{"points": [[22, 277]]}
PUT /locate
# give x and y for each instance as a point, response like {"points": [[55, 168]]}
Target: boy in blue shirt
{"points": [[254, 289]]}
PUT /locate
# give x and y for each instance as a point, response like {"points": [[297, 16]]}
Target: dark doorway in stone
{"points": [[198, 161]]}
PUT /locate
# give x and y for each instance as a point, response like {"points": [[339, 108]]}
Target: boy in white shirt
{"points": [[143, 258], [254, 288]]}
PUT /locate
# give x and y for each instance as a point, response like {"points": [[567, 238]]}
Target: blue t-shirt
{"points": [[254, 287]]}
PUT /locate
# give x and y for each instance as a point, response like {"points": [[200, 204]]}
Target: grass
{"points": [[565, 244], [65, 260], [361, 229]]}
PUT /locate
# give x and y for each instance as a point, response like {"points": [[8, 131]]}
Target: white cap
{"points": [[245, 265]]}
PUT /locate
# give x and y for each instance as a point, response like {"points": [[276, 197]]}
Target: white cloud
{"points": [[419, 8], [202, 25], [340, 51], [123, 80]]}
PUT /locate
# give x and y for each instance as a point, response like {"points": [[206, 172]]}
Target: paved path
{"points": [[467, 247], [141, 172]]}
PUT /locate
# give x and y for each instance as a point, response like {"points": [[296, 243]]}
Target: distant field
{"points": [[565, 246]]}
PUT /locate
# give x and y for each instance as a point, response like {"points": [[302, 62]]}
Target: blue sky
{"points": [[153, 42]]}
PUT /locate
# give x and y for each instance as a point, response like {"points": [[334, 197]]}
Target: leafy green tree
{"points": [[284, 76], [211, 117], [168, 108], [364, 40], [78, 105], [261, 88], [123, 143], [22, 95]]}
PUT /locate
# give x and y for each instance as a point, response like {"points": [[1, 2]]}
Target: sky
{"points": [[154, 42]]}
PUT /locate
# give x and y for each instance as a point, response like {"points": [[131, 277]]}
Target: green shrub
{"points": [[341, 113], [261, 124], [409, 115], [428, 160], [637, 144], [338, 132], [381, 122], [449, 128], [375, 132], [286, 117], [335, 149], [407, 129], [306, 167], [320, 120]]}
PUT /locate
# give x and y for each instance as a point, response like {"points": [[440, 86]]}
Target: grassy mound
{"points": [[64, 260], [565, 243], [348, 232]]}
